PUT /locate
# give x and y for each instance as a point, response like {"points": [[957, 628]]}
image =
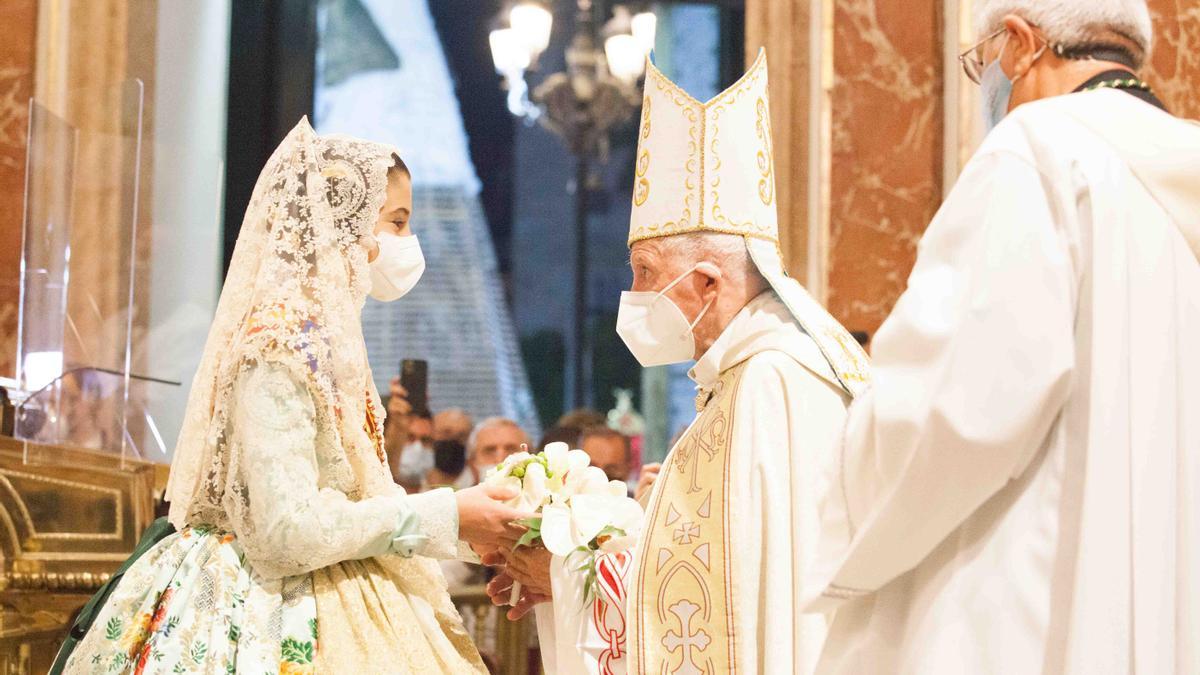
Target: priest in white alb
{"points": [[713, 584], [1019, 490]]}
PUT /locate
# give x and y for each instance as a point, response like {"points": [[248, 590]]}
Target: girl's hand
{"points": [[483, 520]]}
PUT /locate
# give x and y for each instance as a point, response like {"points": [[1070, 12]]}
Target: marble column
{"points": [[783, 29], [19, 18], [886, 154]]}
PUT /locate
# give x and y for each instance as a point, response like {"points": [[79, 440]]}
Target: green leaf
{"points": [[610, 531], [534, 523], [312, 628], [235, 632], [178, 668], [295, 651], [533, 532], [199, 651], [112, 630], [528, 539]]}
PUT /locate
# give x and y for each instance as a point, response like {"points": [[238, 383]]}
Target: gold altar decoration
{"points": [[66, 523]]}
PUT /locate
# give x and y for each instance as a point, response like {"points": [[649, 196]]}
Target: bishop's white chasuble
{"points": [[1019, 492]]}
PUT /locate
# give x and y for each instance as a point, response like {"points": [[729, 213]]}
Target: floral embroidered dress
{"points": [[296, 552]]}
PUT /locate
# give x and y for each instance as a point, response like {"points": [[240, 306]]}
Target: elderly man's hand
{"points": [[646, 482], [499, 589], [529, 565]]}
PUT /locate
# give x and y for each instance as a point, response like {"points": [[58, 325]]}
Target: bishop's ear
{"points": [[709, 278]]}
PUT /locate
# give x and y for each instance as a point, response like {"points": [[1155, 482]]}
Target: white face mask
{"points": [[654, 328], [397, 268], [996, 89]]}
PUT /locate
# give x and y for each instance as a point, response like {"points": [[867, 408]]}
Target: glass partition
{"points": [[79, 283]]}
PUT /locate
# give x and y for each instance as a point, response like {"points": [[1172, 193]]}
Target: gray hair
{"points": [[489, 423], [1070, 24], [726, 251]]}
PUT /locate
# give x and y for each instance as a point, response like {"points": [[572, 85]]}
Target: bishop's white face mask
{"points": [[654, 328], [397, 268]]}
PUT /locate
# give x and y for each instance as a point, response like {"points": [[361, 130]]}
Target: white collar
{"points": [[744, 337]]}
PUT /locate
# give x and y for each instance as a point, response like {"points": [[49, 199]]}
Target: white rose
{"points": [[533, 487]]}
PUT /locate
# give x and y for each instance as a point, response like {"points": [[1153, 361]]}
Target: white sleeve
{"points": [[969, 372], [288, 525]]}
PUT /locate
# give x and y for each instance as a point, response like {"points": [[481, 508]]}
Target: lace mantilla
{"points": [[292, 299]]}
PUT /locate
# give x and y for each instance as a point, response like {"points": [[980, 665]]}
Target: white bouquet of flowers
{"points": [[579, 511]]}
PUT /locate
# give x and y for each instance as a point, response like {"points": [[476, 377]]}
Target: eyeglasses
{"points": [[972, 59]]}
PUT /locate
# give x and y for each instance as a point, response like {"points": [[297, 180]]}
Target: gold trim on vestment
{"points": [[683, 610]]}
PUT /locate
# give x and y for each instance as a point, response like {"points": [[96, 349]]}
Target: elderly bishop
{"points": [[713, 584]]}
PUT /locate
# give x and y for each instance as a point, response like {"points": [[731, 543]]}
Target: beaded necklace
{"points": [[1127, 83]]}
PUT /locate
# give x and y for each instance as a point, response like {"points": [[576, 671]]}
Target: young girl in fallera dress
{"points": [[296, 552]]}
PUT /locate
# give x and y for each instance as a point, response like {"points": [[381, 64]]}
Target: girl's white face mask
{"points": [[654, 328], [397, 268]]}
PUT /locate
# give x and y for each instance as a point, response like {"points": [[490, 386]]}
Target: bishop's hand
{"points": [[499, 589]]}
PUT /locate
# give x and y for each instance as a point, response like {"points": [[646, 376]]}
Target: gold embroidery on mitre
{"points": [[671, 95], [682, 618], [766, 162], [727, 99], [641, 189], [698, 173]]}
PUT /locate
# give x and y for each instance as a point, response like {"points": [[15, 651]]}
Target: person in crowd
{"points": [[416, 455], [608, 450], [557, 434], [449, 463], [580, 419], [289, 524], [452, 424], [490, 442]]}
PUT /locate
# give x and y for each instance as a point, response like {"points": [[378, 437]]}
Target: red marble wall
{"points": [[1174, 69], [886, 171], [19, 19], [887, 120]]}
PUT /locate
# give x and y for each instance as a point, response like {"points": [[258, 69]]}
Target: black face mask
{"points": [[449, 457]]}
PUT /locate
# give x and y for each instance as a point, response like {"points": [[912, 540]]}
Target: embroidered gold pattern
{"points": [[641, 189], [682, 618], [766, 186], [371, 427]]}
